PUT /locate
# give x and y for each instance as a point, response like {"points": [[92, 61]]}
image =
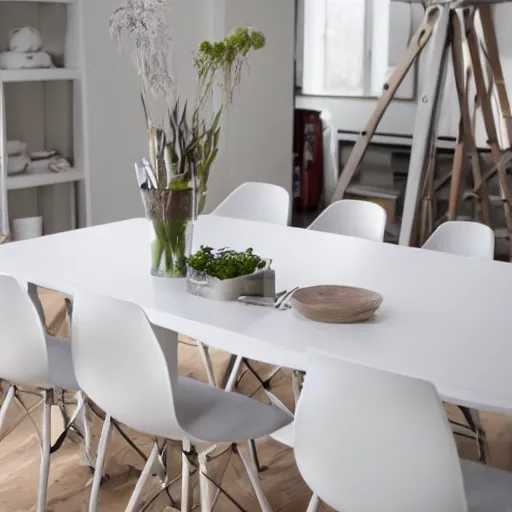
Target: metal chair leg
{"points": [[263, 384], [207, 361], [473, 418], [253, 477], [205, 486], [254, 456], [6, 404], [146, 473], [83, 424], [185, 476], [100, 464], [44, 467], [234, 370], [229, 370]]}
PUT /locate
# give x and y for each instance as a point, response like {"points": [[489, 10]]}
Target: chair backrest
{"points": [[463, 238], [122, 365], [367, 439], [350, 217], [261, 202], [23, 352]]}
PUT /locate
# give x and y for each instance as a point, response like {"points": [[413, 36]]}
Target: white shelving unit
{"points": [[43, 178], [38, 75], [43, 1], [55, 95]]}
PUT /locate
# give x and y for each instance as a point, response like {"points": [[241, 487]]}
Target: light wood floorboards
{"points": [[70, 481]]}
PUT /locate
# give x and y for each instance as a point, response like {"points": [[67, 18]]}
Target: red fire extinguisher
{"points": [[308, 161]]}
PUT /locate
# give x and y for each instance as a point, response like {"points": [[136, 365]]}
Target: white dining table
{"points": [[444, 318]]}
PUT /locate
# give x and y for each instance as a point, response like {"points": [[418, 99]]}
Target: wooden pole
{"points": [[462, 86], [493, 57], [484, 98], [425, 127], [416, 45]]}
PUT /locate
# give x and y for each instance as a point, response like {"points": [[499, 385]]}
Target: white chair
{"points": [[463, 238], [390, 446], [129, 368], [32, 358], [350, 217], [262, 202], [475, 240]]}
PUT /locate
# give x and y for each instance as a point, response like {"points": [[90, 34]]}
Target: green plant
{"points": [[222, 62], [183, 142], [225, 263]]}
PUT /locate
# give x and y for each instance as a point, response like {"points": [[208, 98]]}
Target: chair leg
{"points": [[83, 424], [313, 503], [473, 418], [253, 477], [254, 456], [146, 473], [204, 482], [207, 361], [100, 464], [44, 467], [6, 404], [185, 476], [229, 370], [233, 376]]}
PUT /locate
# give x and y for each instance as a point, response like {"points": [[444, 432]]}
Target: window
{"points": [[347, 47]]}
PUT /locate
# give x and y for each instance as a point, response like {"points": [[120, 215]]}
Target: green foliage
{"points": [[182, 153], [173, 156], [225, 263], [168, 250], [221, 63], [239, 43]]}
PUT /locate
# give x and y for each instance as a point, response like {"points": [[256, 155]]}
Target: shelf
{"points": [[43, 177], [38, 75], [43, 1]]}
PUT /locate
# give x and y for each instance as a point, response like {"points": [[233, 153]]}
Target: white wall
{"points": [[116, 134], [256, 143], [258, 127]]}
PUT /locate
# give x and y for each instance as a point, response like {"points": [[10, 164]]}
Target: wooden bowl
{"points": [[336, 304]]}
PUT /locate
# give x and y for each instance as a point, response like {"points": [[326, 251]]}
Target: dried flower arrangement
{"points": [[183, 144]]}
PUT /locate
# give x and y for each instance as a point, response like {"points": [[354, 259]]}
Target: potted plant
{"points": [[225, 274], [183, 142]]}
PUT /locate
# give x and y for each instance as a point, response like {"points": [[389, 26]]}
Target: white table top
{"points": [[444, 318]]}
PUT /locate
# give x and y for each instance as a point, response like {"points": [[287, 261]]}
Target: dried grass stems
{"points": [[145, 24], [182, 147]]}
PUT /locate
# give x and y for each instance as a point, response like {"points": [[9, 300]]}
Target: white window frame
{"points": [[314, 50]]}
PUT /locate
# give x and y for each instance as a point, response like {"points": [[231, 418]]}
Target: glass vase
{"points": [[171, 214]]}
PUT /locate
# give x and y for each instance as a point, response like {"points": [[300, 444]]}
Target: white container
{"points": [[261, 283], [27, 228]]}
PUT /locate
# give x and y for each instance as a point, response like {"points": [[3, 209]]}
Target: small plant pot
{"points": [[261, 283]]}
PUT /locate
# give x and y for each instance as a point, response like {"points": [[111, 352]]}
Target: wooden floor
{"points": [[70, 481]]}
